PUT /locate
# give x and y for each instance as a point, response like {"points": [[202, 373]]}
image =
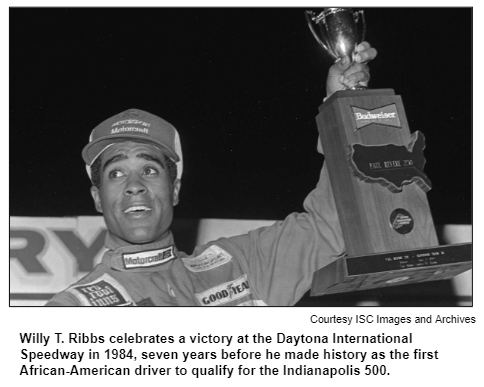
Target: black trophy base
{"points": [[350, 274]]}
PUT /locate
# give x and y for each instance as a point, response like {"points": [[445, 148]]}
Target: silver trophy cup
{"points": [[338, 30]]}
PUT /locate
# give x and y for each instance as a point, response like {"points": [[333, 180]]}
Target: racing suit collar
{"points": [[140, 258]]}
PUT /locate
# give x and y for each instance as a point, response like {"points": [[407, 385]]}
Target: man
{"points": [[135, 162]]}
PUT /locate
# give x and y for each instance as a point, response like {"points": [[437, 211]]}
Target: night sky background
{"points": [[241, 85]]}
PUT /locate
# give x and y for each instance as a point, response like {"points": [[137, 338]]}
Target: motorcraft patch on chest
{"points": [[150, 258], [104, 291], [211, 258], [226, 292]]}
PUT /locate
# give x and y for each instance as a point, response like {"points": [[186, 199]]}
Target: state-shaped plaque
{"points": [[392, 166]]}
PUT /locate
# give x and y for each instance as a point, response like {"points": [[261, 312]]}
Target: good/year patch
{"points": [[226, 292], [211, 258]]}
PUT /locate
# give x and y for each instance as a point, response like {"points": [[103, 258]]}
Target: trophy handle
{"points": [[361, 27], [309, 18]]}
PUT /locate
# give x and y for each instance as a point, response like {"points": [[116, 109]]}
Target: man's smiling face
{"points": [[136, 195]]}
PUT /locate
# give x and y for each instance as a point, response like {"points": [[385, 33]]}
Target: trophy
{"points": [[340, 30], [376, 171]]}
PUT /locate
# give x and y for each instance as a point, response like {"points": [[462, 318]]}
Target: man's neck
{"points": [[114, 242]]}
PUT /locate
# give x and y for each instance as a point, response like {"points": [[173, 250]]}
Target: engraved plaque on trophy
{"points": [[376, 170]]}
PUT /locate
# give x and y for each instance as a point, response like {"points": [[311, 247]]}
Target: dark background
{"points": [[241, 85]]}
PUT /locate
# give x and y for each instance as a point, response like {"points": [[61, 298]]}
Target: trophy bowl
{"points": [[338, 30]]}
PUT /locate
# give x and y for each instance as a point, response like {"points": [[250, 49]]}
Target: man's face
{"points": [[136, 196]]}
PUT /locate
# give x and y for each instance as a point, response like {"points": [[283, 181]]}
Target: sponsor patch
{"points": [[130, 125], [124, 129], [104, 291], [211, 258], [226, 292], [148, 258]]}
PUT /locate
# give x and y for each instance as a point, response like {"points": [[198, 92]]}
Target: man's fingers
{"points": [[363, 46], [342, 64], [355, 79], [346, 72], [359, 74], [365, 55], [339, 67]]}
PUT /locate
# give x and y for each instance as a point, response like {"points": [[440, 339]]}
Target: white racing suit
{"points": [[269, 266]]}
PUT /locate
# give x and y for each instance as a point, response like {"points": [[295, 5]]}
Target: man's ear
{"points": [[176, 191], [97, 199]]}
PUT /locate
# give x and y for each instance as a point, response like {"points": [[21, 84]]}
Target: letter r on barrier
{"points": [[28, 253]]}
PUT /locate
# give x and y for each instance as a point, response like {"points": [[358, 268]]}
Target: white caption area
{"points": [[242, 345]]}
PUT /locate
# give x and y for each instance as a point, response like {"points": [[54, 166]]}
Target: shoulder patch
{"points": [[211, 258], [226, 292], [103, 291]]}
